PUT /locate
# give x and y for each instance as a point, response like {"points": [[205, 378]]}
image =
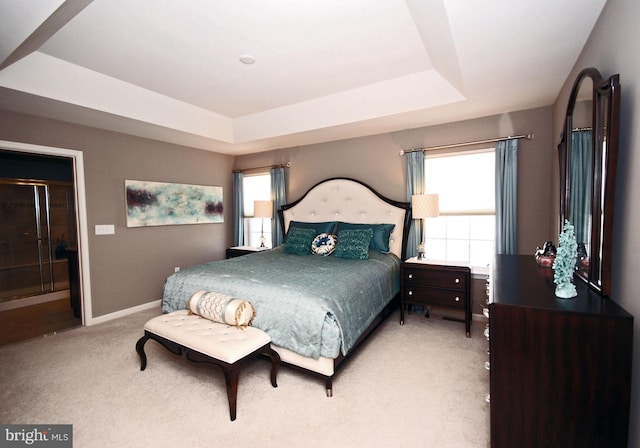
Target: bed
{"points": [[317, 308]]}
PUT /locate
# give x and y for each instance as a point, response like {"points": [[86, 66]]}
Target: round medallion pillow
{"points": [[324, 244]]}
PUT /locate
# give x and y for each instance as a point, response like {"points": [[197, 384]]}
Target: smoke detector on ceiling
{"points": [[247, 59]]}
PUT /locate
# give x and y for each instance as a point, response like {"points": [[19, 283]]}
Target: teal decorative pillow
{"points": [[299, 241], [318, 227], [354, 244], [381, 233], [324, 244]]}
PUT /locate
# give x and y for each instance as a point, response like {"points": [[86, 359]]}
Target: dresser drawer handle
{"points": [[410, 275], [457, 299], [410, 293], [457, 280]]}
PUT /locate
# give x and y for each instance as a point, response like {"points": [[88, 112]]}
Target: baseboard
{"points": [[126, 312], [479, 317]]}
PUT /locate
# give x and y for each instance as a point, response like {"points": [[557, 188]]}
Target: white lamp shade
{"points": [[262, 209], [425, 206]]}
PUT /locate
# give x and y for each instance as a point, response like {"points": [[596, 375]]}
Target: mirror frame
{"points": [[606, 126]]}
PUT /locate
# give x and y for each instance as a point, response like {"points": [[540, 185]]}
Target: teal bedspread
{"points": [[312, 305]]}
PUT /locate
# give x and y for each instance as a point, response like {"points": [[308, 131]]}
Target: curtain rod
{"points": [[282, 165], [477, 142]]}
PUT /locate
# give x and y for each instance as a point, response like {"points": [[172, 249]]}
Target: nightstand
{"points": [[238, 251], [438, 283]]}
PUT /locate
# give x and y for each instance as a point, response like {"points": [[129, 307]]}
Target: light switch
{"points": [[105, 229]]}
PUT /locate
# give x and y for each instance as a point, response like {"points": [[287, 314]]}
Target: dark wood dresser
{"points": [[560, 369], [438, 283]]}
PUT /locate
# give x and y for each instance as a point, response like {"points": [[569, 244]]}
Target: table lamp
{"points": [[262, 209], [424, 206]]}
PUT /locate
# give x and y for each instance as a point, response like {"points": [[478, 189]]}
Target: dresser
{"points": [[437, 283], [560, 369]]}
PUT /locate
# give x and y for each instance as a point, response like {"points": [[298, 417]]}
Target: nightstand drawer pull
{"points": [[457, 281], [410, 293], [410, 275], [457, 299]]}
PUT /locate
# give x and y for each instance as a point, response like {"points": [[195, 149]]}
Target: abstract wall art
{"points": [[161, 204]]}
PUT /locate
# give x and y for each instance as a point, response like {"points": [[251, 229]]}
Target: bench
{"points": [[205, 341]]}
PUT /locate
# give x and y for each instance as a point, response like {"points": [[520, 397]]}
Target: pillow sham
{"points": [[318, 227], [381, 233], [324, 244], [221, 308], [353, 244], [299, 241]]}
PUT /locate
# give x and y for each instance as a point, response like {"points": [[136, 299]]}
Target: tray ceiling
{"points": [[323, 70]]}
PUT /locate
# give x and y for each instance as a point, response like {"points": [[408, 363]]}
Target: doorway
{"points": [[38, 238]]}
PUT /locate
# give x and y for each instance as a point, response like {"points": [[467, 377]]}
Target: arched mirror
{"points": [[588, 153]]}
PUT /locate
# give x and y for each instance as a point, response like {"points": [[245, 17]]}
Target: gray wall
{"points": [[375, 161], [129, 267], [612, 48]]}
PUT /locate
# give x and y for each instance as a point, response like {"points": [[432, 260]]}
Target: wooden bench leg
{"points": [[140, 349], [275, 363], [174, 348], [231, 377]]}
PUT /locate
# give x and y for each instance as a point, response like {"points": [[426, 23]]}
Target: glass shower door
{"points": [[30, 262]]}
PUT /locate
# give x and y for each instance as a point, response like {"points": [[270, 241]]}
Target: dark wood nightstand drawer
{"points": [[435, 278], [434, 296]]}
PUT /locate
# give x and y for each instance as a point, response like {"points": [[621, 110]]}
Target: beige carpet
{"points": [[419, 385]]}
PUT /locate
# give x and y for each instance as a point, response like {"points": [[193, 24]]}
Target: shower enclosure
{"points": [[37, 225]]}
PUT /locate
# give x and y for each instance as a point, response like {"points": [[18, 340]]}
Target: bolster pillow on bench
{"points": [[221, 308]]}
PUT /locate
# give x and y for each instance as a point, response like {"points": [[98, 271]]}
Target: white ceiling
{"points": [[324, 69]]}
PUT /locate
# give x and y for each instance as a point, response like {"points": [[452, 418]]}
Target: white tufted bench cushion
{"points": [[210, 342], [220, 341]]}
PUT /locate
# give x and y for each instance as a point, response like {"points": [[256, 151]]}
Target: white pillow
{"points": [[221, 308]]}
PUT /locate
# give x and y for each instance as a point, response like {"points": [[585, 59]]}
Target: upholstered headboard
{"points": [[348, 200]]}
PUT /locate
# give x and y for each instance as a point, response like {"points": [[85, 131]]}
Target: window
{"points": [[256, 188], [465, 229]]}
